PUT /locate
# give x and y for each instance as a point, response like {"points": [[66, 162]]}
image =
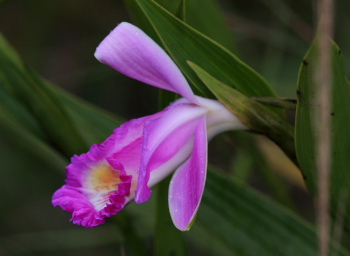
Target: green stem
{"points": [[132, 240], [289, 104]]}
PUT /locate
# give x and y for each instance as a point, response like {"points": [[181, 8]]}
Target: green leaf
{"points": [[249, 224], [173, 6], [184, 43], [306, 129], [181, 12], [209, 20], [141, 20]]}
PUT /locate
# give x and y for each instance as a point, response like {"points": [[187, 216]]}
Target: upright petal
{"points": [[130, 51], [166, 139], [187, 185]]}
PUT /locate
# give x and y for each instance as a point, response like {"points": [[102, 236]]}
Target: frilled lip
{"points": [[72, 200], [76, 196]]}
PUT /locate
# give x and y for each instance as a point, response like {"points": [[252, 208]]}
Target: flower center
{"points": [[104, 178]]}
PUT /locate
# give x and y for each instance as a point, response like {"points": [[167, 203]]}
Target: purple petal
{"points": [[167, 138], [130, 51], [129, 157], [187, 185]]}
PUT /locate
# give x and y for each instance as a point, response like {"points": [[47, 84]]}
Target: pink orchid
{"points": [[143, 151]]}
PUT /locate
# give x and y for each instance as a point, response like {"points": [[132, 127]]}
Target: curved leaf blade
{"points": [[306, 129]]}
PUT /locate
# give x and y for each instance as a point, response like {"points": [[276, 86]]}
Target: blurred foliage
{"points": [[58, 39]]}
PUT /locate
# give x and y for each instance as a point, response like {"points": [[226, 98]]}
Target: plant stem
{"points": [[323, 80]]}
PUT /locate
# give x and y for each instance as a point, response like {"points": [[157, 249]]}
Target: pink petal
{"points": [[163, 139], [130, 51], [187, 185]]}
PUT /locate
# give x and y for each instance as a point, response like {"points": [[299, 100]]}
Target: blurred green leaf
{"points": [[131, 238], [8, 53], [290, 18], [184, 43], [93, 123], [41, 102], [306, 128], [12, 107], [168, 239], [250, 156], [207, 18], [249, 224], [59, 242], [18, 134]]}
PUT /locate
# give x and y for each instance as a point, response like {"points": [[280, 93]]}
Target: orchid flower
{"points": [[143, 151]]}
